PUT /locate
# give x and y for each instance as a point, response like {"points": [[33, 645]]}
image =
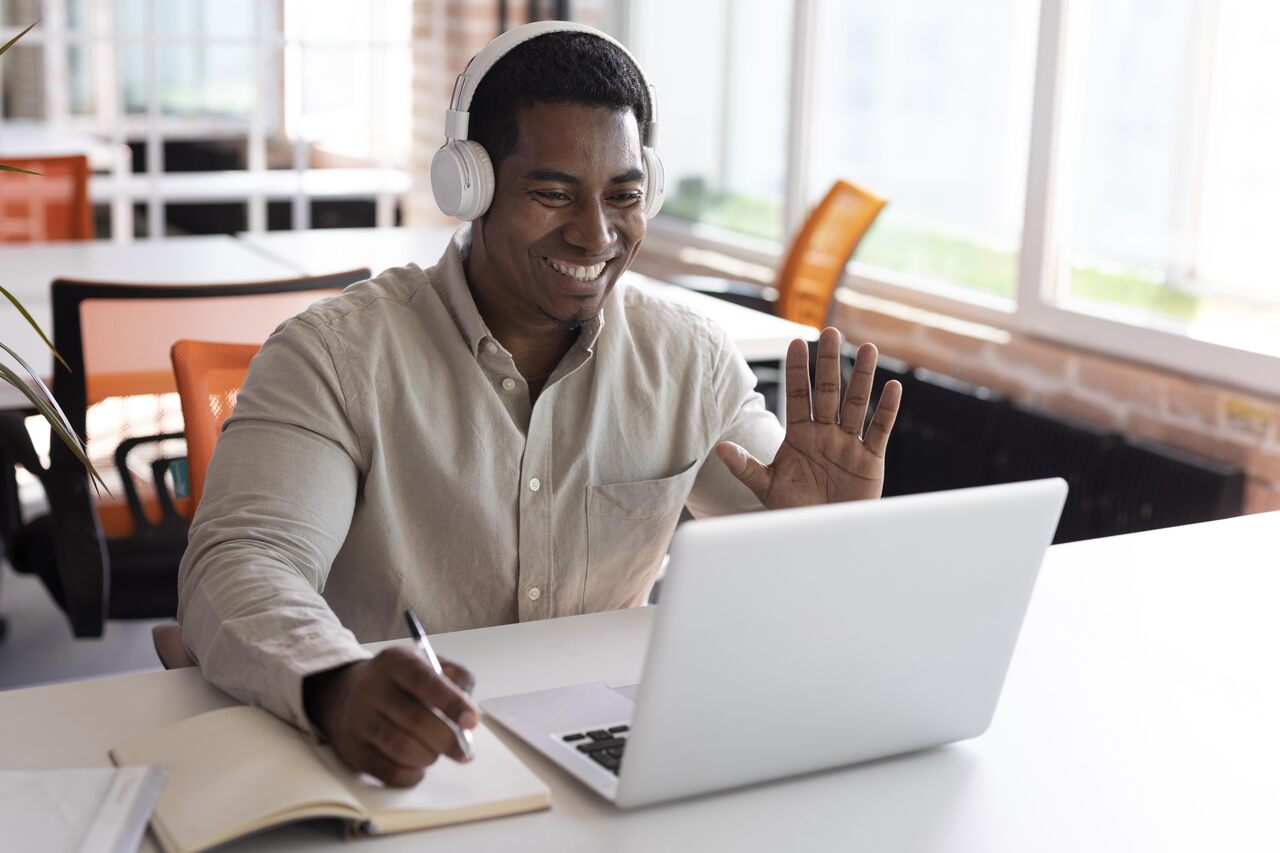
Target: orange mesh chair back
{"points": [[819, 253], [209, 378], [53, 205]]}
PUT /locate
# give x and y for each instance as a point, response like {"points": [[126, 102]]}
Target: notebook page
{"points": [[495, 783], [232, 771]]}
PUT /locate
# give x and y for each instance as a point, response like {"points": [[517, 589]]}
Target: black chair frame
{"points": [[81, 578]]}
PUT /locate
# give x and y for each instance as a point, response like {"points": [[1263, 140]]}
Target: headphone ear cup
{"points": [[462, 179], [655, 181]]}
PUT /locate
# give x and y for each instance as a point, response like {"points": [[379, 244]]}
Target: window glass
{"points": [[928, 105], [722, 79], [1170, 172]]}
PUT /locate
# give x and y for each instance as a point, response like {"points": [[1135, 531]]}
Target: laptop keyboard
{"points": [[603, 746]]}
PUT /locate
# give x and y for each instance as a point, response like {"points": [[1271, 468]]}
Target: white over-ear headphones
{"points": [[461, 172]]}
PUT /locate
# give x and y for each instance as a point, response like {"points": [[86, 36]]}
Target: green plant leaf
{"points": [[18, 36], [34, 325], [56, 423], [4, 168], [44, 389]]}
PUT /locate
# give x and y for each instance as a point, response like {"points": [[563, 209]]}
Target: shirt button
{"points": [[508, 384], [490, 347], [534, 593], [534, 485]]}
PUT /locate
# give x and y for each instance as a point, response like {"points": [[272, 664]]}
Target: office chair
{"points": [[115, 555], [815, 261], [53, 205], [209, 378]]}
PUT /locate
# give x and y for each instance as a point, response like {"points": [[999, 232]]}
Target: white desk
{"points": [[27, 270], [1139, 715], [323, 250], [758, 336], [22, 138]]}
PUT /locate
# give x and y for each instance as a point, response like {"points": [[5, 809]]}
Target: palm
{"points": [[824, 458]]}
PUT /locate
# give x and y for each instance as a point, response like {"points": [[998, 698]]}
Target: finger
{"points": [[826, 385], [753, 474], [401, 735], [877, 438], [798, 382], [857, 398], [415, 677], [460, 676], [376, 763], [415, 733]]}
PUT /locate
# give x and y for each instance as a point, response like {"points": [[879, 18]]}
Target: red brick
{"points": [[1121, 381], [1264, 463], [1261, 496], [955, 341], [1088, 410], [1045, 359], [1192, 400]]}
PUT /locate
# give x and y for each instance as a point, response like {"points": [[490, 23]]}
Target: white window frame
{"points": [[1035, 310]]}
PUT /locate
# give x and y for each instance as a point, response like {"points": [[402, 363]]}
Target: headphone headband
{"points": [[458, 117]]}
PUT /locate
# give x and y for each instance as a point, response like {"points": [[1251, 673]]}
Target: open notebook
{"points": [[238, 770]]}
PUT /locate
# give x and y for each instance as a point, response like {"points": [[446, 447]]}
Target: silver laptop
{"points": [[798, 640]]}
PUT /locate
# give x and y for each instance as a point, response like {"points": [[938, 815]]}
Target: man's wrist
{"points": [[320, 692]]}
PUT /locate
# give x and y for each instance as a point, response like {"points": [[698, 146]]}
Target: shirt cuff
{"points": [[311, 654]]}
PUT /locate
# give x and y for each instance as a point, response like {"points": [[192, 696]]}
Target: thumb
{"points": [[753, 474]]}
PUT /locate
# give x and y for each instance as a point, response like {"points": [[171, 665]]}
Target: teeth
{"points": [[575, 271]]}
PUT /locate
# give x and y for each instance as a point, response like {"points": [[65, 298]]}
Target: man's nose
{"points": [[590, 228]]}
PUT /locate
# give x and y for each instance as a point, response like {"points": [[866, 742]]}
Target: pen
{"points": [[463, 736]]}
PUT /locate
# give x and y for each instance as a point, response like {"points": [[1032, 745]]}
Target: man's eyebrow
{"points": [[566, 178], [552, 175], [628, 177]]}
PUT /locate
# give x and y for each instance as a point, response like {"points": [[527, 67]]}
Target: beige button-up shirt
{"points": [[384, 455]]}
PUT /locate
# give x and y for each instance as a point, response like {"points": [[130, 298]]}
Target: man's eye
{"points": [[629, 198], [551, 195]]}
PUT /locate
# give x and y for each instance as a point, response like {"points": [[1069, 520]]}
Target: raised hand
{"points": [[824, 457]]}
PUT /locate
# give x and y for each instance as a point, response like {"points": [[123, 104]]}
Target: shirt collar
{"points": [[461, 304]]}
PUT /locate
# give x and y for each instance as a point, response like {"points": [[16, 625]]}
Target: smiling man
{"points": [[506, 436]]}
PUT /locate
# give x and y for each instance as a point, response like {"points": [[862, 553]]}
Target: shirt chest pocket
{"points": [[629, 526]]}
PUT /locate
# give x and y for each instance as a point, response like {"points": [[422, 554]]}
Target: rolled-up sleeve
{"points": [[276, 509], [735, 412]]}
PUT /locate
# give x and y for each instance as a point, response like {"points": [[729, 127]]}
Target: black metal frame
{"points": [[82, 584]]}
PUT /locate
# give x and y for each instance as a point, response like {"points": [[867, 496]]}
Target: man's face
{"points": [[568, 212]]}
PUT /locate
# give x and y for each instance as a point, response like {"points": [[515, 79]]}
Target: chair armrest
{"points": [[744, 293], [169, 512]]}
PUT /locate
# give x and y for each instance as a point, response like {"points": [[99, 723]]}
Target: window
{"points": [[929, 105], [725, 156], [1173, 131], [1100, 172]]}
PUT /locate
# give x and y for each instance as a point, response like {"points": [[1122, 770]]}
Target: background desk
{"points": [[1139, 715], [27, 271]]}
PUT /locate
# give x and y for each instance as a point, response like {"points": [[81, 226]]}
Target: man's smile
{"points": [[576, 271]]}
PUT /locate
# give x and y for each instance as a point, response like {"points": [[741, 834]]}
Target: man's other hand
{"points": [[824, 458], [378, 713]]}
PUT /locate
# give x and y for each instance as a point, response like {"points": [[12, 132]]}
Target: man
{"points": [[499, 438]]}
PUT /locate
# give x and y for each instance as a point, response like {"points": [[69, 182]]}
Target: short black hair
{"points": [[557, 68]]}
